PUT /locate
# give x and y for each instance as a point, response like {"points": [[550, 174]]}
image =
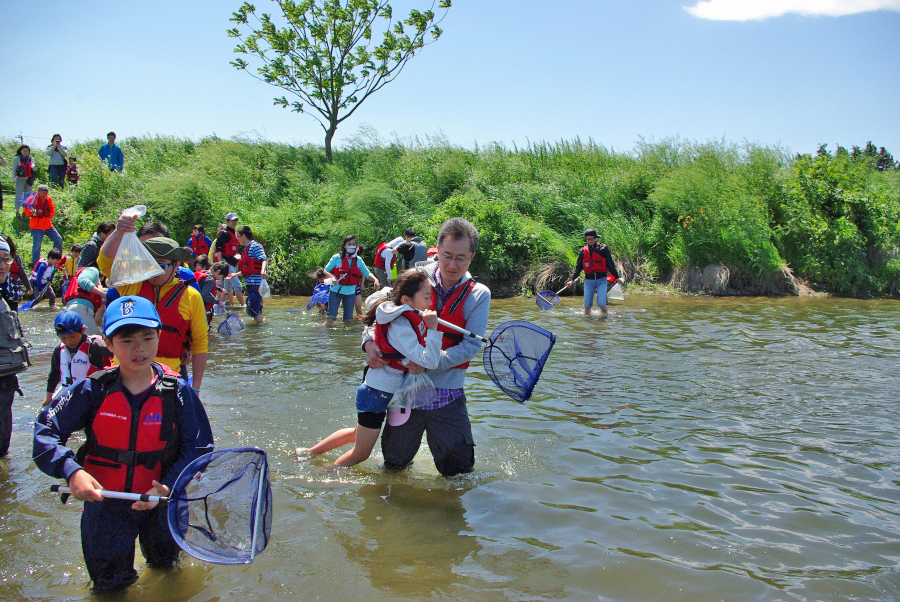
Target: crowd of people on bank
{"points": [[136, 354]]}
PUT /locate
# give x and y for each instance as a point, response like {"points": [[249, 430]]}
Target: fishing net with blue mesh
{"points": [[516, 356]]}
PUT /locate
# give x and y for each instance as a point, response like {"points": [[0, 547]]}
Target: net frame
{"points": [[204, 542], [320, 297], [518, 376], [232, 324], [546, 299]]}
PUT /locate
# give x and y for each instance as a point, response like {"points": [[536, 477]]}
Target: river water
{"points": [[683, 449]]}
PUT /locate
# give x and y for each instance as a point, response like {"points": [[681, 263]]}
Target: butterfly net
{"points": [[317, 297], [516, 356], [220, 510], [546, 299], [231, 325]]}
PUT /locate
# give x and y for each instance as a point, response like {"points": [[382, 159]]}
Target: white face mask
{"points": [[351, 249]]}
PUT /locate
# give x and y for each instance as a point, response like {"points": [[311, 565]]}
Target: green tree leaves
{"points": [[324, 55]]}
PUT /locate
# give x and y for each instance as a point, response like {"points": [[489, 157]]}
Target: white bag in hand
{"points": [[133, 262], [264, 290]]}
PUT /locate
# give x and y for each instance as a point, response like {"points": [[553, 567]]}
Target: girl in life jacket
{"points": [[404, 335]]}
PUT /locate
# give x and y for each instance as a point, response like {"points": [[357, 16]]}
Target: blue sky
{"points": [[775, 72]]}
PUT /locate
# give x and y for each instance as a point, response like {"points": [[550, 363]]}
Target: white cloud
{"points": [[748, 10]]}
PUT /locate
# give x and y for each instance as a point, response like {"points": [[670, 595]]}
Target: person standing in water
{"points": [[346, 269], [596, 261]]}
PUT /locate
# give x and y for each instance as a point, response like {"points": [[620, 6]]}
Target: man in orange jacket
{"points": [[40, 222]]}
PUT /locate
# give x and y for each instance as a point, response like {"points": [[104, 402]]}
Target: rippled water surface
{"points": [[683, 449]]}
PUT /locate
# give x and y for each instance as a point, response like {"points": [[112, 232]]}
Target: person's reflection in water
{"points": [[409, 538]]}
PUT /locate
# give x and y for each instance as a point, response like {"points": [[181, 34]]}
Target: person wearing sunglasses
{"points": [[184, 329]]}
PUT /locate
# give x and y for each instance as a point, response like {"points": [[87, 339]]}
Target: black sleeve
{"points": [[579, 265], [54, 377], [98, 354], [221, 239], [610, 264]]}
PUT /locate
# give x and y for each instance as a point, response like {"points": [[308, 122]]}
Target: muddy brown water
{"points": [[683, 449]]}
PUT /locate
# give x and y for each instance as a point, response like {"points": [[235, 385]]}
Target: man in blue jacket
{"points": [[112, 154]]}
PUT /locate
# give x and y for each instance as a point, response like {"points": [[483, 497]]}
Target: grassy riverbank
{"points": [[666, 209]]}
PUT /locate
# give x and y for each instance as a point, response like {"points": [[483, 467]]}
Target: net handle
{"points": [[118, 495], [459, 329]]}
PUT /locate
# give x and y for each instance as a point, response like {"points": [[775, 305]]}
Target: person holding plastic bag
{"points": [[180, 306], [404, 335], [252, 266]]}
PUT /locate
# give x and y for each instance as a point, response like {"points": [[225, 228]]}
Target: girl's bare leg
{"points": [[362, 449], [332, 441]]}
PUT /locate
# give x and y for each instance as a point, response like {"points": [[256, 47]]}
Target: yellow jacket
{"points": [[190, 306]]}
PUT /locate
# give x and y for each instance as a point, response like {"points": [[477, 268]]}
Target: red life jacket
{"points": [[249, 265], [199, 246], [232, 246], [73, 291], [27, 165], [41, 207], [379, 260], [351, 269], [388, 352], [74, 368], [173, 336], [592, 261], [452, 312], [127, 449], [72, 173]]}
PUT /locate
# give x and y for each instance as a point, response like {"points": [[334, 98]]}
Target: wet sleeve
{"points": [[53, 427], [196, 434]]}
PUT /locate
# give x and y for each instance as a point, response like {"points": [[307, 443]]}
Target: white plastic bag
{"points": [[415, 391], [264, 289], [133, 262], [615, 293]]}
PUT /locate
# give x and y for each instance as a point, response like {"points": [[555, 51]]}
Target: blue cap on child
{"points": [[68, 322], [130, 310]]}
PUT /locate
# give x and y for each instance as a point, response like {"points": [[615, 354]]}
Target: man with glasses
{"points": [[15, 357], [180, 306], [596, 261], [458, 299]]}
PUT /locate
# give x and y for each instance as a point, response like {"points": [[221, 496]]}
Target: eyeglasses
{"points": [[164, 266], [7, 259]]}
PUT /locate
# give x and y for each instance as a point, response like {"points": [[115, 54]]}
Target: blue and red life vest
{"points": [[198, 245], [249, 266], [128, 449], [390, 353]]}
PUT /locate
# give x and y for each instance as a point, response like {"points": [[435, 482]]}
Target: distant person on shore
{"points": [[252, 267], [91, 249], [596, 261], [199, 243], [73, 173], [57, 153], [346, 269], [23, 168], [227, 247], [41, 223], [111, 154]]}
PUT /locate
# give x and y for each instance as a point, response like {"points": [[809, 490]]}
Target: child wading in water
{"points": [[401, 331]]}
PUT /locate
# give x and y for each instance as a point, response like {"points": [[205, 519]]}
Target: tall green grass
{"points": [[663, 206]]}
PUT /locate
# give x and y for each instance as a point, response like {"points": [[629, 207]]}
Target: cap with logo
{"points": [[230, 217], [130, 310]]}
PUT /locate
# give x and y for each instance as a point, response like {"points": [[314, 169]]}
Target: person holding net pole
{"points": [[143, 425], [459, 300], [596, 261]]}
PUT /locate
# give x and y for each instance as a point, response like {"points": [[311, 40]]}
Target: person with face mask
{"points": [[347, 270]]}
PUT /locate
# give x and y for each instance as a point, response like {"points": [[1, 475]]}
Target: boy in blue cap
{"points": [[144, 425], [78, 356]]}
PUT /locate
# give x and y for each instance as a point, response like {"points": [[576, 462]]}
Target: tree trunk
{"points": [[329, 134]]}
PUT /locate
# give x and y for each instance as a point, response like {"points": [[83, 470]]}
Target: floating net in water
{"points": [[516, 356], [220, 510], [546, 299], [231, 325], [318, 297]]}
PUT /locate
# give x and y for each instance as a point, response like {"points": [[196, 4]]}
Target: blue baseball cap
{"points": [[130, 310], [68, 322]]}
